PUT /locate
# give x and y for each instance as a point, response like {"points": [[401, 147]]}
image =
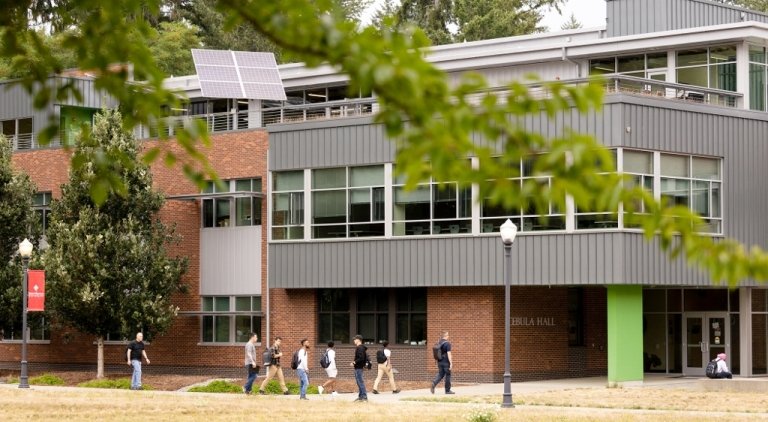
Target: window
{"points": [[411, 319], [373, 313], [348, 202], [530, 218], [288, 205], [693, 182], [41, 205], [757, 77], [228, 319], [334, 316], [18, 132], [431, 208], [711, 67], [639, 65], [600, 218], [218, 210], [575, 316], [639, 166]]}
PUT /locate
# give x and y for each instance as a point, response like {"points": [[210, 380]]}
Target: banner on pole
{"points": [[36, 290]]}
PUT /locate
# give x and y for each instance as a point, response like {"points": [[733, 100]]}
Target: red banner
{"points": [[36, 289]]}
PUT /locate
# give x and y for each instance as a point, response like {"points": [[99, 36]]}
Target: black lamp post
{"points": [[25, 250], [508, 232]]}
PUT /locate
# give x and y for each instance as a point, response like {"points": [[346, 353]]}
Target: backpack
{"points": [[380, 356], [267, 357], [711, 370], [325, 360], [437, 350], [295, 360]]}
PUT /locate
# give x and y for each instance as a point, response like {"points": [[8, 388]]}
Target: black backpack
{"points": [[295, 360], [437, 351], [380, 356], [267, 357], [325, 360], [711, 370]]}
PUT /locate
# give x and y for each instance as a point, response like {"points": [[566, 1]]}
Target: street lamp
{"points": [[508, 232], [25, 250]]}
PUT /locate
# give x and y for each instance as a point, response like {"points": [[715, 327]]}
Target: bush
{"points": [[117, 383], [481, 414], [217, 387], [46, 379], [273, 387]]}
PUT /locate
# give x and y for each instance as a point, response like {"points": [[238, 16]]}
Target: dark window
{"points": [[411, 319], [575, 316], [373, 315], [334, 316]]}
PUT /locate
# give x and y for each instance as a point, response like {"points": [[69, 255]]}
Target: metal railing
{"points": [[673, 91]]}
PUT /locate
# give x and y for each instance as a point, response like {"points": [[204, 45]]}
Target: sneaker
{"points": [[360, 400], [375, 392], [395, 391], [320, 389], [262, 392], [303, 398], [334, 394], [432, 388], [285, 393], [449, 392]]}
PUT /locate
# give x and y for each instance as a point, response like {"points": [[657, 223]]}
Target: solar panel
{"points": [[238, 74]]}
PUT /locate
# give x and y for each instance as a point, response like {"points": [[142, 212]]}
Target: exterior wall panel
{"points": [[227, 264], [630, 17]]}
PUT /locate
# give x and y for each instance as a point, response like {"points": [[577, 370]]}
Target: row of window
{"points": [[230, 319], [351, 201]]}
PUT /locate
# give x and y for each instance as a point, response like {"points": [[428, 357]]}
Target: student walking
{"points": [[251, 368], [134, 354], [384, 359], [359, 363], [444, 365], [274, 368], [332, 371], [302, 371]]}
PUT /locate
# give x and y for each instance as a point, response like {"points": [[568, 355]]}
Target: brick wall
{"points": [[241, 154]]}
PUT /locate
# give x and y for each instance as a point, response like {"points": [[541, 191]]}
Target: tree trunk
{"points": [[99, 357]]}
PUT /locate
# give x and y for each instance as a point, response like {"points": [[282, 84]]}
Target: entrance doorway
{"points": [[706, 334]]}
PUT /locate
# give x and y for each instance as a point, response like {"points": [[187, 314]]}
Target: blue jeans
{"points": [[303, 382], [443, 371], [136, 378], [251, 378], [360, 384]]}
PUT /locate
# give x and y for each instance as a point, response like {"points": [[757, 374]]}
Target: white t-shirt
{"points": [[387, 353], [303, 359], [721, 366], [332, 359]]}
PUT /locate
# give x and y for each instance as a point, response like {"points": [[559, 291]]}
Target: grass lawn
{"points": [[56, 403]]}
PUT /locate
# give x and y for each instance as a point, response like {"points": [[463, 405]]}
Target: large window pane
{"points": [[692, 57], [674, 165], [638, 162], [676, 191], [602, 66], [757, 87], [360, 205], [221, 329], [444, 197], [696, 76], [366, 176], [244, 211], [329, 207], [329, 178], [700, 198], [657, 60], [722, 54], [723, 77], [222, 212], [288, 180], [221, 304], [631, 63], [413, 205], [208, 213], [706, 168]]}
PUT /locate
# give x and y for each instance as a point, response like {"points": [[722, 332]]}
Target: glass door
{"points": [[705, 337]]}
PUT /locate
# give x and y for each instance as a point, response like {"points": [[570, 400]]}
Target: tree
{"points": [[756, 5], [108, 269], [486, 19], [572, 23], [171, 44], [434, 17], [16, 218], [433, 121]]}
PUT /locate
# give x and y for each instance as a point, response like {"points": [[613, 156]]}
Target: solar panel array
{"points": [[238, 74]]}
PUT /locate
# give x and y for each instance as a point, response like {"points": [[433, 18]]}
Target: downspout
{"points": [[568, 59]]}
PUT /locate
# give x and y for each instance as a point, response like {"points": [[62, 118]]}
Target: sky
{"points": [[590, 13]]}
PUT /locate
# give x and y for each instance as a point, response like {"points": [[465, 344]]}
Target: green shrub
{"points": [[217, 387], [273, 387], [117, 383], [46, 379], [481, 414]]}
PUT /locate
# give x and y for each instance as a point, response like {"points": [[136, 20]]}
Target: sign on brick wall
{"points": [[533, 321]]}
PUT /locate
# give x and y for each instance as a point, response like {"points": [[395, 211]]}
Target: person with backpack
{"points": [[722, 368], [444, 359], [361, 358], [384, 359], [302, 369], [331, 370], [274, 368]]}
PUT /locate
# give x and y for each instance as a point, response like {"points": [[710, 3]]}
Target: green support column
{"points": [[625, 335]]}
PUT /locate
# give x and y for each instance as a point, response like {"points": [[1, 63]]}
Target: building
{"points": [[346, 250]]}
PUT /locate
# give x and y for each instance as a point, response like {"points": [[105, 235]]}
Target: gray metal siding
{"points": [[629, 17], [580, 258], [541, 260], [230, 261]]}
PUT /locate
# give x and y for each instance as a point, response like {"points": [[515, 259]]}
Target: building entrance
{"points": [[706, 334]]}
